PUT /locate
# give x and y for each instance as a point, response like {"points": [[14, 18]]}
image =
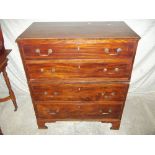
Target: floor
{"points": [[138, 118]]}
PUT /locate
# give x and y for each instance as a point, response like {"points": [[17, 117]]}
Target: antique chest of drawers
{"points": [[78, 71]]}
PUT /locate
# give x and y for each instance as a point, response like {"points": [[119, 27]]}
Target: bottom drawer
{"points": [[78, 110]]}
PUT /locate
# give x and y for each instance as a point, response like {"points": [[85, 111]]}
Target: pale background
{"points": [[139, 112]]}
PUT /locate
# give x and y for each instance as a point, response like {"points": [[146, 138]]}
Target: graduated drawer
{"points": [[78, 110], [79, 92], [69, 69], [86, 50]]}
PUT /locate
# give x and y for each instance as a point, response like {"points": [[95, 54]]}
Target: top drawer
{"points": [[79, 50]]}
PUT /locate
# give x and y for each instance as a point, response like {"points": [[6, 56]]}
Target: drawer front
{"points": [[79, 69], [79, 92], [79, 51], [78, 111]]}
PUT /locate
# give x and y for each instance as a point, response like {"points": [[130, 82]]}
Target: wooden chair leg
{"points": [[11, 93]]}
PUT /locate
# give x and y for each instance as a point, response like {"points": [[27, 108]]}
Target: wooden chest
{"points": [[78, 71]]}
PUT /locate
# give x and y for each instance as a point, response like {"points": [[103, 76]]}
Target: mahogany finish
{"points": [[79, 92], [79, 49], [78, 71], [78, 110]]}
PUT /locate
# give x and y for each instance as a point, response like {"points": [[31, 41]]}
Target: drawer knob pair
{"points": [[116, 69], [49, 52], [107, 51], [105, 113], [54, 93], [52, 70], [53, 112], [106, 96]]}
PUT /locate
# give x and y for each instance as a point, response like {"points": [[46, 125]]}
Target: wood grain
{"points": [[79, 92], [78, 111], [74, 50], [85, 30], [78, 71], [66, 70]]}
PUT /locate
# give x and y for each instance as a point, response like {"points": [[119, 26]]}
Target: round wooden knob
{"points": [[118, 50], [105, 69], [106, 50], [116, 69], [113, 93], [37, 50], [50, 51], [42, 70], [45, 93], [78, 48], [55, 93]]}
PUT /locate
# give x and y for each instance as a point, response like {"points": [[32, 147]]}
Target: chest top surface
{"points": [[78, 30]]}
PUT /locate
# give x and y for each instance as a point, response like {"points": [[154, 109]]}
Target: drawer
{"points": [[78, 69], [87, 50], [79, 92], [78, 111]]}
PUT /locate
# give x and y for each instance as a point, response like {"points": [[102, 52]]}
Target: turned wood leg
{"points": [[41, 124], [115, 125], [12, 96]]}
